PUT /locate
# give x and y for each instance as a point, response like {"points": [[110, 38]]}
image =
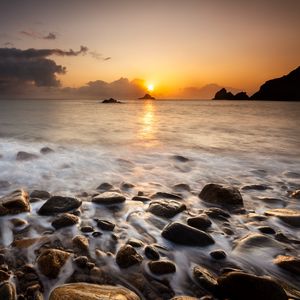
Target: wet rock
{"points": [[217, 213], [218, 254], [151, 253], [64, 220], [186, 235], [40, 194], [59, 204], [18, 222], [161, 267], [22, 155], [14, 203], [105, 225], [166, 208], [4, 276], [272, 201], [135, 243], [141, 198], [25, 243], [221, 195], [164, 195], [239, 285], [288, 263], [201, 222], [266, 229], [81, 261], [181, 187], [184, 298], [105, 186], [127, 257], [107, 198], [81, 243], [97, 234], [51, 261], [8, 291], [180, 158], [87, 291], [255, 187], [295, 194], [288, 216], [205, 278], [46, 150], [127, 186], [86, 229], [4, 184]]}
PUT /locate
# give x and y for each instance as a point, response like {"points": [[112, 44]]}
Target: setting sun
{"points": [[150, 87]]}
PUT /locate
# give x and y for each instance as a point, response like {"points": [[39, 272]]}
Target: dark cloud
{"points": [[50, 36], [37, 35], [99, 56], [8, 44]]}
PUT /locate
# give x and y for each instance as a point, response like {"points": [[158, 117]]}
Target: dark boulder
{"points": [[64, 220], [161, 267], [201, 222], [127, 257], [151, 253], [108, 198], [166, 208], [22, 155], [105, 225], [46, 150], [40, 194]]}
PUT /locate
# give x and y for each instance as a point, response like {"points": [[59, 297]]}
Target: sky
{"points": [[184, 48]]}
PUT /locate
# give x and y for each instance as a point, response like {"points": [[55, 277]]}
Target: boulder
{"points": [[239, 285], [87, 291], [186, 235], [288, 216], [288, 263], [151, 253], [107, 198], [164, 195], [40, 194], [127, 257], [218, 254], [296, 194], [221, 195], [51, 261], [105, 225], [181, 187], [64, 220], [256, 187], [59, 204], [46, 150], [166, 208], [81, 243], [8, 291], [205, 278], [201, 222], [160, 267], [14, 203], [105, 186], [22, 155]]}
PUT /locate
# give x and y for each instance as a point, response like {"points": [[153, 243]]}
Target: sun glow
{"points": [[150, 87]]}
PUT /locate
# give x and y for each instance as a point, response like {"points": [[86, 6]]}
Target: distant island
{"points": [[111, 100], [286, 88], [147, 97]]}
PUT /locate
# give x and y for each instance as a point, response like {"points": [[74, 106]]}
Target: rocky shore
{"points": [[118, 242]]}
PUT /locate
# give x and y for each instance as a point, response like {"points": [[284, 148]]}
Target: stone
{"points": [[296, 194], [51, 261], [135, 243], [40, 194], [288, 216], [164, 195], [266, 229], [127, 186], [81, 261], [161, 267], [151, 253], [86, 229], [255, 187], [46, 150], [166, 208], [22, 155], [4, 276], [221, 195], [127, 257], [288, 263], [81, 243], [107, 198], [186, 235], [181, 187], [217, 213], [201, 222], [105, 225], [18, 222], [8, 291], [64, 220], [59, 204], [205, 278], [239, 285], [88, 291], [14, 203], [218, 254], [105, 186], [141, 198]]}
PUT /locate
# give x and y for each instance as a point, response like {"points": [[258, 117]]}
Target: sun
{"points": [[150, 87]]}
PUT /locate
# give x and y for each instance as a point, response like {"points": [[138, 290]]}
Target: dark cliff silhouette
{"points": [[147, 97], [283, 88], [224, 95]]}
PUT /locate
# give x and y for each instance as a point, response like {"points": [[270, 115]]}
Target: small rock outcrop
{"points": [[14, 203], [224, 95], [111, 100], [22, 155], [147, 97]]}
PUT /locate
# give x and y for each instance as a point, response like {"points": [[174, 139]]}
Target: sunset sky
{"points": [[172, 44]]}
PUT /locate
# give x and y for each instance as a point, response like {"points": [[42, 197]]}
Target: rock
{"points": [[87, 291], [111, 100], [256, 187], [107, 198], [166, 208], [218, 254], [4, 184], [180, 158], [135, 243], [288, 263], [201, 222], [46, 150], [40, 194], [22, 155], [87, 229], [147, 97], [25, 243], [18, 222], [51, 261], [283, 88], [127, 186], [164, 195], [217, 213], [141, 198], [127, 257], [239, 285], [181, 187], [186, 235], [64, 220], [14, 203], [105, 186], [221, 195], [8, 291], [224, 95], [81, 243], [205, 278], [105, 225], [184, 298], [295, 194], [4, 276], [81, 261], [161, 267], [288, 216], [151, 253], [59, 204], [266, 229]]}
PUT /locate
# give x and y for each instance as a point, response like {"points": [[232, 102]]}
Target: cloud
{"points": [[23, 69], [37, 35], [50, 36], [99, 56]]}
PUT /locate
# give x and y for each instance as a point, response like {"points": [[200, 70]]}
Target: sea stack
{"points": [[147, 97]]}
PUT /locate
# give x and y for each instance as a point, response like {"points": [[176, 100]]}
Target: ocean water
{"points": [[155, 145]]}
